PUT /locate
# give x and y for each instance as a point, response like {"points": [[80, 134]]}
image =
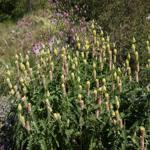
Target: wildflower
{"points": [[57, 116], [107, 96], [19, 107]]}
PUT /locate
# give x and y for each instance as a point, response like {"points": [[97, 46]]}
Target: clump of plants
{"points": [[79, 97]]}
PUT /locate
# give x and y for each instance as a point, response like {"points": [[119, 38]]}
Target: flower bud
{"points": [[136, 56], [22, 67], [72, 76], [81, 104], [79, 96], [12, 92], [85, 61], [88, 84], [117, 102], [104, 88], [78, 45], [78, 79], [97, 83], [95, 94], [104, 81], [115, 51], [19, 107], [63, 89], [133, 47], [80, 88], [9, 83], [57, 116], [107, 96], [94, 32], [115, 75], [142, 130]]}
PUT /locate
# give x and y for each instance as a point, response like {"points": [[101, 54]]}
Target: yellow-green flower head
{"points": [[100, 89], [8, 80], [104, 89], [49, 109], [97, 42], [115, 75], [12, 92], [88, 83], [22, 67], [25, 90], [85, 61], [16, 56], [142, 129], [107, 96], [47, 102], [103, 39], [93, 26], [127, 62], [57, 116], [62, 78], [19, 107], [117, 102], [15, 88], [55, 51], [73, 66], [82, 54], [77, 38], [94, 65], [147, 42], [87, 46], [133, 47], [72, 76], [129, 70], [104, 81], [78, 45], [48, 94], [63, 50], [108, 46], [134, 40], [27, 57], [95, 93], [69, 57], [108, 38], [94, 32], [102, 33], [27, 64], [136, 55], [119, 71], [104, 46], [129, 56], [80, 87], [77, 53], [79, 96], [115, 51], [78, 79]]}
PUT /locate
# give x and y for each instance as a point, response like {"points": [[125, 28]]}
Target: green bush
{"points": [[79, 98], [13, 9]]}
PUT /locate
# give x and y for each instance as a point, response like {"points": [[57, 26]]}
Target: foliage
{"points": [[79, 97], [17, 8], [122, 19]]}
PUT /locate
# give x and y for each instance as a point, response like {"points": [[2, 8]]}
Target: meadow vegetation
{"points": [[74, 80]]}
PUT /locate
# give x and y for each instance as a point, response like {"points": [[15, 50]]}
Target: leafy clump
{"points": [[79, 97]]}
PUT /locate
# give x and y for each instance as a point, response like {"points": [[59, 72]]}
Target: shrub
{"points": [[13, 9], [79, 97]]}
